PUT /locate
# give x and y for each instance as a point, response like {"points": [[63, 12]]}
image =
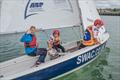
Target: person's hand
{"points": [[37, 44], [97, 42], [81, 40], [28, 32]]}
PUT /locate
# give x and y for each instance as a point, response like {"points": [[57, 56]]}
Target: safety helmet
{"points": [[98, 22], [56, 32]]}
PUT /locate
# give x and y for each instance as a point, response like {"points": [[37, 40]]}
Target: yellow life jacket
{"points": [[91, 41]]}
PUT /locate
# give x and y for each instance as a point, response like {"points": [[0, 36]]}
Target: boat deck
{"points": [[9, 67]]}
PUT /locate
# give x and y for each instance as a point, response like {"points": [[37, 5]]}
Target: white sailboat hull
{"points": [[20, 68]]}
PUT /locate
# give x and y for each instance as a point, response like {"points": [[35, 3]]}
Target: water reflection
{"points": [[93, 71]]}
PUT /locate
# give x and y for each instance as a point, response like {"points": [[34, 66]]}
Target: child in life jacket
{"points": [[31, 46], [91, 34], [56, 41]]}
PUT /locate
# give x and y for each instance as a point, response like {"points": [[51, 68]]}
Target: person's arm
{"points": [[49, 45], [37, 44], [96, 41], [26, 38], [95, 34]]}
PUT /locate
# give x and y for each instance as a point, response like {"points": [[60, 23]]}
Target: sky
{"points": [[108, 3]]}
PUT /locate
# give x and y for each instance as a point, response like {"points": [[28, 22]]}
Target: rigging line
{"points": [[70, 5], [81, 32], [81, 20], [47, 36], [44, 31], [75, 33]]}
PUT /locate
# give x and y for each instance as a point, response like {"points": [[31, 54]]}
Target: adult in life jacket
{"points": [[91, 34], [56, 41], [31, 46]]}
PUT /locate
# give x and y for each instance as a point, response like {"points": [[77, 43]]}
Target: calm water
{"points": [[105, 67]]}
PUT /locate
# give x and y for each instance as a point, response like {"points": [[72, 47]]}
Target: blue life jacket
{"points": [[87, 36]]}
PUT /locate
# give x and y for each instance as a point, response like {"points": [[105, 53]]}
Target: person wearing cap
{"points": [[91, 34], [56, 41], [96, 29]]}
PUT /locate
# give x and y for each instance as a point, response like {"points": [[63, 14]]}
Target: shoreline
{"points": [[109, 12]]}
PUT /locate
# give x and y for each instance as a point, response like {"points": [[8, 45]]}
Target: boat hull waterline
{"points": [[66, 66]]}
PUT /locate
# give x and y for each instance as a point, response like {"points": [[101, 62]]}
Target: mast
{"points": [[81, 21], [0, 14]]}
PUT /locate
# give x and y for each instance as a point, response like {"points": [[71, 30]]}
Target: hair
{"points": [[56, 31], [32, 27]]}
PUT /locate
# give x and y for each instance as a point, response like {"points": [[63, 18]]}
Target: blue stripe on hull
{"points": [[63, 67]]}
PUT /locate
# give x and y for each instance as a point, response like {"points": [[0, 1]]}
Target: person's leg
{"points": [[61, 47], [81, 46], [56, 48], [42, 52], [42, 58], [32, 54]]}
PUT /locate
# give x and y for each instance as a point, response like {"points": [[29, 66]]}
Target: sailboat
{"points": [[50, 14]]}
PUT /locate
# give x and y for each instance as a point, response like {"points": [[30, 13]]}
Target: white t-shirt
{"points": [[51, 39], [95, 32], [98, 33]]}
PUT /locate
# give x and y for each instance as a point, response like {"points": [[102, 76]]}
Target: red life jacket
{"points": [[31, 44]]}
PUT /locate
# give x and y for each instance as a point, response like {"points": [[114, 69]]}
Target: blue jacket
{"points": [[28, 38], [87, 36]]}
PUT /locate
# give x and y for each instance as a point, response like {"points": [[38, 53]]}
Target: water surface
{"points": [[105, 67]]}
